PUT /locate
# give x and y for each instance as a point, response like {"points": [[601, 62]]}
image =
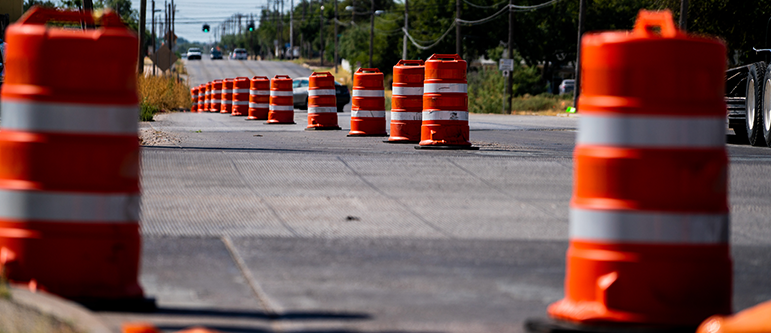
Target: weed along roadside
{"points": [[161, 94]]}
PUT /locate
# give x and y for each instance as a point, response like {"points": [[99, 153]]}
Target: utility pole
{"points": [[321, 32], [581, 14], [406, 27], [240, 32], [457, 28], [509, 55], [173, 17], [291, 29], [142, 22], [371, 29], [155, 49], [88, 5], [683, 15], [168, 34], [335, 36]]}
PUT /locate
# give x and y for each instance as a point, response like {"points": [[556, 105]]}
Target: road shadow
{"points": [[241, 329], [291, 315]]}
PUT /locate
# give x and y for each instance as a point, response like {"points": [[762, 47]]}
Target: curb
{"points": [[59, 308]]}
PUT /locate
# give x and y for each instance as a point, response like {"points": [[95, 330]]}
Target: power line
{"points": [[485, 7]]}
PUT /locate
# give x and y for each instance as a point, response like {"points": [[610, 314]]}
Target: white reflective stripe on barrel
{"points": [[615, 226], [280, 93], [259, 105], [406, 115], [652, 131], [408, 91], [321, 109], [216, 101], [445, 88], [240, 91], [70, 118], [227, 91], [216, 92], [281, 107], [445, 115], [240, 102], [368, 114], [368, 93], [208, 92], [259, 92], [69, 207], [321, 92]]}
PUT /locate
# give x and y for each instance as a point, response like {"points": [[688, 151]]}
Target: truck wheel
{"points": [[754, 104], [765, 115]]}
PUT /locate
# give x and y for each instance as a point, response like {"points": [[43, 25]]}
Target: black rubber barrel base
{"points": [[267, 123], [548, 325], [386, 141], [447, 147], [323, 128], [119, 305], [367, 135]]}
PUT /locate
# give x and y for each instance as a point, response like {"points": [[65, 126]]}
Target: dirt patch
{"points": [[153, 137]]}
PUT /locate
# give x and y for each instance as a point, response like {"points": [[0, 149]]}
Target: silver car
{"points": [[300, 94]]}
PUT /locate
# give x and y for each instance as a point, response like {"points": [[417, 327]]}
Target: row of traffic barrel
{"points": [[429, 101]]}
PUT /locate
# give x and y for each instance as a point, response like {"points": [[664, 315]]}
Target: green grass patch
{"points": [[147, 111]]}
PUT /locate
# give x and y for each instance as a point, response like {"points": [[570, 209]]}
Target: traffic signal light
{"points": [[251, 26], [205, 28]]}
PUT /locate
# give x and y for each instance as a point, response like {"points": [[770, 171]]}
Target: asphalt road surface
{"points": [[250, 227]]}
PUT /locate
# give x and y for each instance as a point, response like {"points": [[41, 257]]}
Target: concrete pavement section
{"points": [[268, 228]]}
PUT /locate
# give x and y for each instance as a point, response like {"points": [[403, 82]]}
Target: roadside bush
{"points": [[147, 111], [159, 93]]}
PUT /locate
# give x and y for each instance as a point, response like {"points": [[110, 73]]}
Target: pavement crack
{"points": [[379, 191], [270, 308], [506, 194], [259, 197]]}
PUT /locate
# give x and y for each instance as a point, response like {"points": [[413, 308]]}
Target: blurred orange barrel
{"points": [[281, 101], [69, 177], [240, 96], [194, 99], [207, 98], [216, 96], [445, 103], [649, 216], [322, 102], [368, 106], [226, 101], [407, 101], [259, 98], [201, 97]]}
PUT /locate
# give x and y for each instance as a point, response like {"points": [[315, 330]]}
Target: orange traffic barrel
{"points": [[207, 97], [194, 99], [226, 99], [201, 97], [240, 96], [445, 104], [216, 96], [368, 106], [281, 108], [322, 102], [756, 319], [649, 213], [69, 177], [259, 98], [407, 101]]}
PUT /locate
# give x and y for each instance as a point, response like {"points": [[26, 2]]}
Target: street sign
{"points": [[505, 73], [506, 65], [161, 59]]}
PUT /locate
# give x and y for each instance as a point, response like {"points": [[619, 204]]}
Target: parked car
{"points": [[239, 54], [215, 54], [300, 94], [194, 53], [567, 86]]}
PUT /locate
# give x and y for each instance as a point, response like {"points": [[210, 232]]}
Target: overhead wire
{"points": [[485, 7]]}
